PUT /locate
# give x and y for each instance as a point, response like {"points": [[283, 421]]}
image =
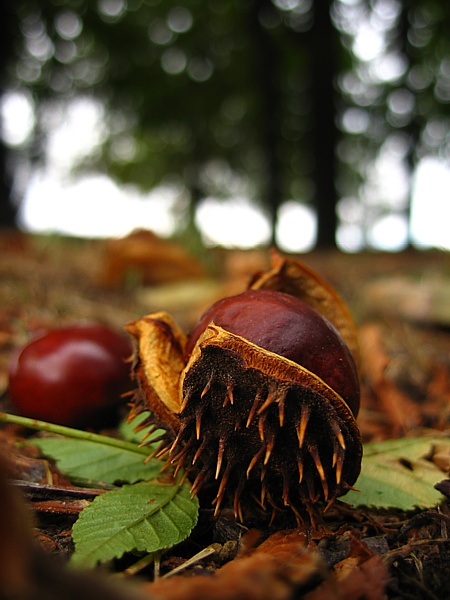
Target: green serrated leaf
{"points": [[84, 460], [396, 474], [145, 517]]}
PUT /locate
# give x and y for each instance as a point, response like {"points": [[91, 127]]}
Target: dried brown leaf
{"points": [[277, 570], [402, 412], [360, 575], [361, 581], [149, 258]]}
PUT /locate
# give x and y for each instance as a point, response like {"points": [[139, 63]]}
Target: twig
{"points": [[212, 549], [406, 549]]}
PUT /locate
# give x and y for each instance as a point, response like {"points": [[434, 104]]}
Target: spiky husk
{"points": [[269, 433]]}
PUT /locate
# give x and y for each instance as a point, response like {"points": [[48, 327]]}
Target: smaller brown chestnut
{"points": [[72, 375]]}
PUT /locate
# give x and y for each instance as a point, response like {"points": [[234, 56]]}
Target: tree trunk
{"points": [[8, 209], [268, 85], [323, 48]]}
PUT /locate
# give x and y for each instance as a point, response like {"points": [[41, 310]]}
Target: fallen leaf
{"points": [[89, 461], [403, 413], [145, 517], [279, 569], [397, 474], [366, 581]]}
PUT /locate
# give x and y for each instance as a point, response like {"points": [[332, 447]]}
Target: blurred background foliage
{"points": [[272, 100]]}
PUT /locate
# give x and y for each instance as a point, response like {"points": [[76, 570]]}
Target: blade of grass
{"points": [[78, 434]]}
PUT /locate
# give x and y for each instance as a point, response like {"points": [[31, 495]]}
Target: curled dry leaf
{"points": [[149, 259], [271, 431]]}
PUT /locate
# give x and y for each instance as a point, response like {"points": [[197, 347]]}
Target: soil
{"points": [[401, 304]]}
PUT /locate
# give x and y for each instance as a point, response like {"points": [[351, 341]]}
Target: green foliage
{"points": [[145, 517], [190, 86], [185, 88], [84, 461], [397, 474], [149, 516], [156, 514]]}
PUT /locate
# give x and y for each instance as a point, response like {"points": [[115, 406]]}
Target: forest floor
{"points": [[401, 304]]}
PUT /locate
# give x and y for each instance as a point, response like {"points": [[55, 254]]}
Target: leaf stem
{"points": [[77, 434]]}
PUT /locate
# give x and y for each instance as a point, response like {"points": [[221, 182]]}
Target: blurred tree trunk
{"points": [[8, 210], [323, 48], [266, 76]]}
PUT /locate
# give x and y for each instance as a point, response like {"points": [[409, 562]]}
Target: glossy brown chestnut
{"points": [[72, 375], [289, 327]]}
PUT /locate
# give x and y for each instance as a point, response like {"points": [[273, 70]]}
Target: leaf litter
{"points": [[379, 545]]}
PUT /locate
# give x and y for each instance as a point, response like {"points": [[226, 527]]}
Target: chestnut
{"points": [[260, 400], [72, 375], [289, 327]]}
